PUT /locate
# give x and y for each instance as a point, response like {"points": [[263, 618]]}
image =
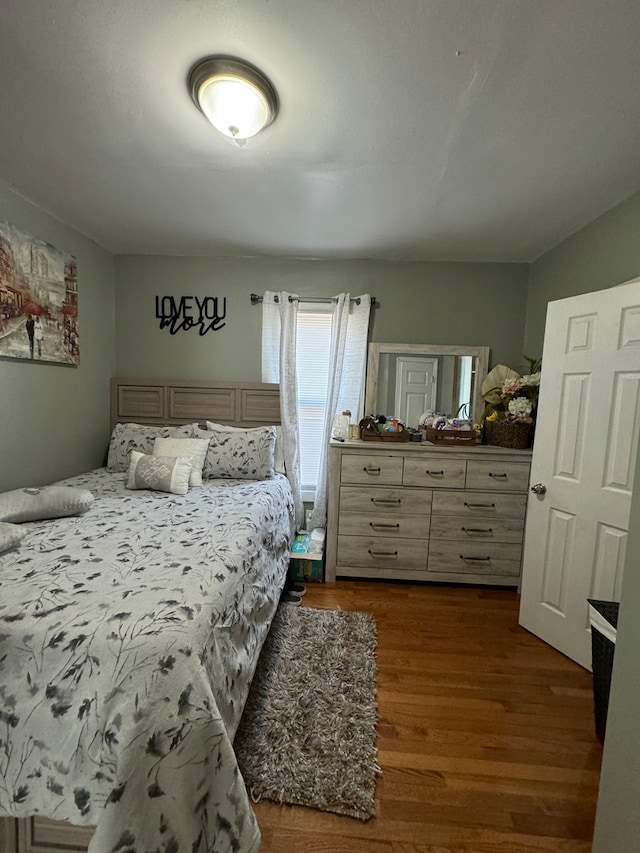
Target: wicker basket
{"points": [[514, 434], [376, 435], [450, 437]]}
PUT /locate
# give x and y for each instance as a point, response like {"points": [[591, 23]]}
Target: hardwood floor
{"points": [[486, 737]]}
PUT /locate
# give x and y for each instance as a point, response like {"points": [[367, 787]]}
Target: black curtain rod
{"points": [[255, 298]]}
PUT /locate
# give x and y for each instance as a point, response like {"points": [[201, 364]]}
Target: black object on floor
{"points": [[602, 651]]}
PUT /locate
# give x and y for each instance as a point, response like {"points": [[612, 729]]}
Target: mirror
{"points": [[406, 380]]}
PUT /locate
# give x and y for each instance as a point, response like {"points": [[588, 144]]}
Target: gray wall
{"points": [[418, 303], [601, 255], [54, 420], [604, 253]]}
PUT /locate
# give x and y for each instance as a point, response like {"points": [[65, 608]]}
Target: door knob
{"points": [[539, 489]]}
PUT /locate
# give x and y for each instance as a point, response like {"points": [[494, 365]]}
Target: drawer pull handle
{"points": [[497, 476], [477, 529], [369, 469], [476, 559], [434, 473], [386, 501], [383, 553], [379, 526], [480, 506]]}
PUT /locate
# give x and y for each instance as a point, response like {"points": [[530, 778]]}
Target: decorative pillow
{"points": [[161, 473], [196, 448], [46, 502], [10, 536], [278, 463], [242, 454], [128, 437]]}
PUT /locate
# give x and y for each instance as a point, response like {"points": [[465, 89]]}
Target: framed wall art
{"points": [[38, 300]]}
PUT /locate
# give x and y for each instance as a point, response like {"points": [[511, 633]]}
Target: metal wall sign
{"points": [[204, 313]]}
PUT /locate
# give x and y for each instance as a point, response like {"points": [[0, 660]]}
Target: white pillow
{"points": [[278, 463], [45, 502], [161, 473], [196, 448], [10, 536]]}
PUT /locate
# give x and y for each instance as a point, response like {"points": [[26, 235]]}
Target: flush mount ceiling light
{"points": [[235, 96]]}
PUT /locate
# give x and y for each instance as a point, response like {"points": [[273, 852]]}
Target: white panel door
{"points": [[584, 456], [416, 380]]}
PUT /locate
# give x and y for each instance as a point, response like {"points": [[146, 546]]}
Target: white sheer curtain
{"points": [[347, 367], [279, 321]]}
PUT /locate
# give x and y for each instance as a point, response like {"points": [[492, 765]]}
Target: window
{"points": [[313, 344], [328, 375]]}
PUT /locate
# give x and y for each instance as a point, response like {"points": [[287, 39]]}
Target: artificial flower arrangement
{"points": [[510, 396]]}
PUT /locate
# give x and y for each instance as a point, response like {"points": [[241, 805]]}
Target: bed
{"points": [[128, 639]]}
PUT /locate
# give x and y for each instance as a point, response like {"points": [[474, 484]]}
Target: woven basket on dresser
{"points": [[514, 434]]}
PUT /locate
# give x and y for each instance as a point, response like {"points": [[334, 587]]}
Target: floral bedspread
{"points": [[128, 641]]}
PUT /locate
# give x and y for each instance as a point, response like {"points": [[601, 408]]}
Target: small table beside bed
{"points": [[129, 633]]}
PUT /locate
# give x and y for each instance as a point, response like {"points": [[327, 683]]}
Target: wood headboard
{"points": [[170, 401]]}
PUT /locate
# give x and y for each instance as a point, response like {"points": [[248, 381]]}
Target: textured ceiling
{"points": [[418, 129]]}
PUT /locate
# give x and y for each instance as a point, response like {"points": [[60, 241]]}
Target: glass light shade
{"points": [[234, 95], [235, 107]]}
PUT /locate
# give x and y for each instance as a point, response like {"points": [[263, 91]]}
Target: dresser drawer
{"points": [[434, 473], [464, 529], [501, 476], [374, 524], [478, 558], [385, 500], [361, 468], [474, 504], [383, 553]]}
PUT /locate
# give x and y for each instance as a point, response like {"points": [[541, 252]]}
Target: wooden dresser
{"points": [[418, 511]]}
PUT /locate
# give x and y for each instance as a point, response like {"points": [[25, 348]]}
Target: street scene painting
{"points": [[38, 300]]}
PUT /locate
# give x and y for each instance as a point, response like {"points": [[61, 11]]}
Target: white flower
{"points": [[531, 379], [520, 407]]}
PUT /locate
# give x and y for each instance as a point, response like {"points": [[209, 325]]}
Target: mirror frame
{"points": [[373, 365]]}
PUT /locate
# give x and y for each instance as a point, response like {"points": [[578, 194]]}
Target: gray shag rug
{"points": [[308, 732]]}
